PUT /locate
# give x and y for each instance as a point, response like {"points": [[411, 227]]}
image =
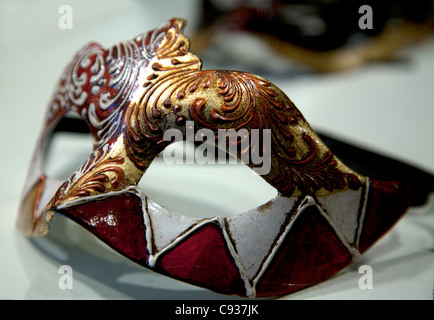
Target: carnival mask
{"points": [[130, 95]]}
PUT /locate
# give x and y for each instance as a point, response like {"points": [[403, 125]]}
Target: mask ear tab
{"points": [[28, 217]]}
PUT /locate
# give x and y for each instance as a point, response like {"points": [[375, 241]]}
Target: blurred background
{"points": [[361, 71]]}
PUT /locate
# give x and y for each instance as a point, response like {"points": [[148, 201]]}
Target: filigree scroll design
{"points": [[98, 85], [171, 66], [95, 176], [98, 180]]}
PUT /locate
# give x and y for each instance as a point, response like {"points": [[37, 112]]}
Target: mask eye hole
{"points": [[203, 190], [68, 147]]}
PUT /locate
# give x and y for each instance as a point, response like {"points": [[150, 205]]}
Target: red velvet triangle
{"points": [[204, 259], [116, 220], [310, 253], [387, 202]]}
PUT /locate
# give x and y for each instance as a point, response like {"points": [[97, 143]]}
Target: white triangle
{"points": [[167, 225], [254, 232], [343, 208]]}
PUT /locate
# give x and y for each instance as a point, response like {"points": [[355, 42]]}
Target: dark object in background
{"points": [[323, 34]]}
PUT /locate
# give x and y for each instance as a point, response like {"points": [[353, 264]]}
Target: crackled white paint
{"points": [[344, 210], [166, 225], [254, 232]]}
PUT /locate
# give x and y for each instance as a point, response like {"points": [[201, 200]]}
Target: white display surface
{"points": [[387, 107]]}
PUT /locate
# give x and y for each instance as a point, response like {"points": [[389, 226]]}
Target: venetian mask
{"points": [[130, 96]]}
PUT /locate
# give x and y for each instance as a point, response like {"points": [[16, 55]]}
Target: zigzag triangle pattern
{"points": [[246, 255]]}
